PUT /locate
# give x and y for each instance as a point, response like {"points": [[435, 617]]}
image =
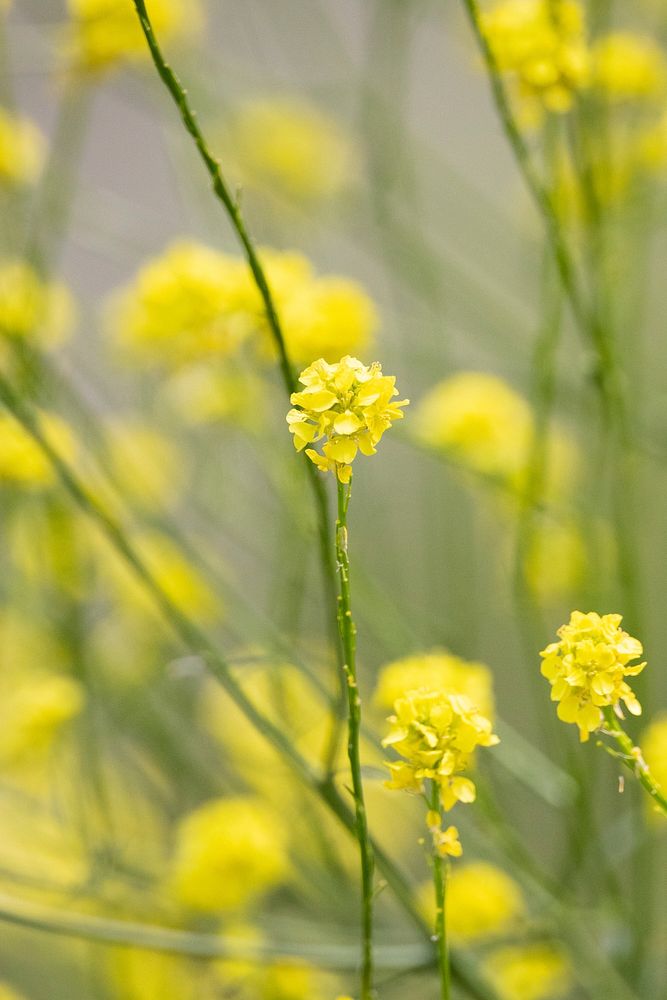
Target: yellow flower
{"points": [[290, 147], [32, 308], [541, 46], [7, 993], [528, 972], [555, 561], [22, 462], [587, 669], [33, 714], [437, 670], [145, 465], [229, 852], [349, 404], [22, 149], [446, 843], [328, 317], [183, 306], [104, 32], [435, 733], [482, 902], [629, 67]]}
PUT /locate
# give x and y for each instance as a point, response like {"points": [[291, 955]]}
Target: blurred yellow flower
{"points": [[349, 404], [22, 462], [482, 901], [170, 569], [652, 146], [103, 32], [653, 742], [587, 668], [627, 66], [328, 317], [208, 393], [32, 308], [146, 467], [8, 993], [288, 146], [542, 46], [435, 733], [228, 853], [555, 560], [33, 713], [22, 149], [138, 974], [530, 972], [436, 670]]}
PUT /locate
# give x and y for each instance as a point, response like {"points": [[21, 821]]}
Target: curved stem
{"points": [[440, 873], [631, 758], [348, 638], [231, 206]]}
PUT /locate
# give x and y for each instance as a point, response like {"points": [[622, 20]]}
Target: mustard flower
{"points": [[287, 145], [435, 734], [482, 902], [435, 670], [228, 853], [587, 668], [541, 45], [22, 462], [628, 67], [350, 404], [34, 713], [555, 559], [446, 843], [528, 972], [102, 33], [32, 308], [22, 149]]}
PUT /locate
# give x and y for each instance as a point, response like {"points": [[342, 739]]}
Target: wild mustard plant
{"points": [[22, 149], [435, 734], [587, 670], [349, 404]]}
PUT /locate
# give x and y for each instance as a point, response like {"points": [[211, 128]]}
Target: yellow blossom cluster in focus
{"points": [[22, 149], [435, 734], [350, 404], [228, 853], [482, 901], [193, 304], [101, 33], [587, 668], [541, 45], [528, 972], [31, 308], [290, 147], [437, 670]]}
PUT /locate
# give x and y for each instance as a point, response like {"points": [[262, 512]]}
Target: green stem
{"points": [[230, 204], [631, 758], [440, 873], [348, 638]]}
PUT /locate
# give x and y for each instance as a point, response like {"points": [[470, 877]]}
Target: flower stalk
{"points": [[440, 876], [631, 758], [348, 638]]}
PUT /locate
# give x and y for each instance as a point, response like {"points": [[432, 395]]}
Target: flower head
{"points": [[435, 734], [528, 972], [587, 669], [541, 45], [349, 404], [483, 901], [22, 148], [32, 308], [629, 67]]}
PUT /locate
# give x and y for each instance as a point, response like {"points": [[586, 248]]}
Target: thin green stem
{"points": [[440, 873], [231, 206], [631, 758], [348, 638]]}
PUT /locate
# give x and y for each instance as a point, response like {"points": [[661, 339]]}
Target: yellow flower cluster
{"points": [[102, 33], [30, 307], [628, 67], [435, 734], [290, 147], [34, 712], [528, 972], [22, 148], [541, 45], [482, 902], [435, 671], [196, 304], [22, 463], [350, 404], [587, 668], [228, 853]]}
